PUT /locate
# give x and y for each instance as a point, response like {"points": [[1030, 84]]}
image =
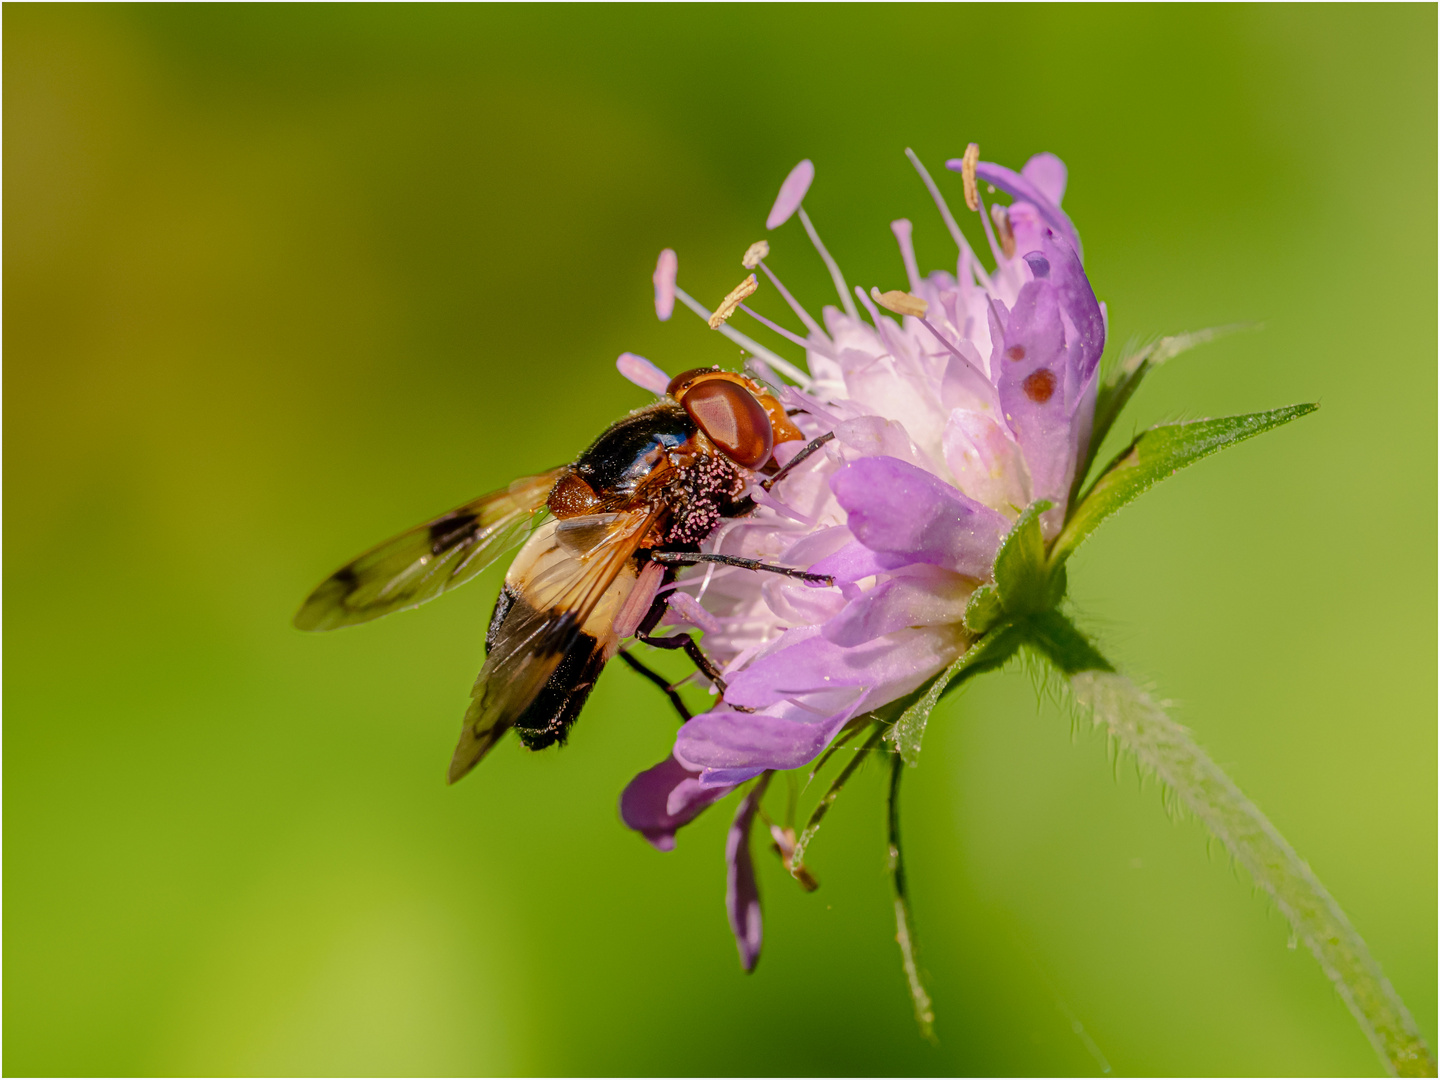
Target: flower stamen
{"points": [[902, 229], [950, 223], [732, 301], [830, 264], [800, 312], [967, 174]]}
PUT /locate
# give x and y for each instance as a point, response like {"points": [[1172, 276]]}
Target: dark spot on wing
{"points": [[451, 530], [1039, 385], [1015, 352]]}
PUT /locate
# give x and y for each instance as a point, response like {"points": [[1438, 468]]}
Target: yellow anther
{"points": [[967, 172], [901, 303], [732, 301], [754, 253]]}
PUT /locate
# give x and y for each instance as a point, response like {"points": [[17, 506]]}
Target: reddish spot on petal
{"points": [[1039, 386], [1015, 352]]}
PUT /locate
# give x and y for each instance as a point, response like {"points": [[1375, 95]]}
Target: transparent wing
{"points": [[419, 565], [563, 573]]}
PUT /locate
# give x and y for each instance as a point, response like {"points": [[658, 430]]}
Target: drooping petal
{"points": [[742, 894], [792, 192], [666, 268], [642, 373], [661, 799], [898, 509]]}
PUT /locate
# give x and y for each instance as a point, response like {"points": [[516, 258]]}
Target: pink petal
{"points": [[742, 894], [664, 278], [1048, 173], [663, 798], [792, 191], [642, 373]]}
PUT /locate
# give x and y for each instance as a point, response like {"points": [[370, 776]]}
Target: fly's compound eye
{"points": [[681, 382], [733, 420]]}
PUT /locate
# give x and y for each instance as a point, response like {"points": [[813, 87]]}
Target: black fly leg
{"points": [[805, 451], [692, 650], [690, 558], [658, 680]]}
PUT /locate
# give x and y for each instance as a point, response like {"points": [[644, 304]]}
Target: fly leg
{"points": [[805, 451], [674, 641], [658, 680], [692, 650], [690, 558]]}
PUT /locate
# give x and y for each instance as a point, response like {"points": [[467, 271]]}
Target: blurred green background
{"points": [[281, 281]]}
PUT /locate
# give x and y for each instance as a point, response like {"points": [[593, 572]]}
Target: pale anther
{"points": [[967, 173], [1002, 228], [754, 253], [731, 303], [901, 303]]}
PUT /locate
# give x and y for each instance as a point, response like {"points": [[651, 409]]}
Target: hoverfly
{"points": [[607, 531]]}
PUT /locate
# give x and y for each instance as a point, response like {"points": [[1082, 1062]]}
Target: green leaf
{"points": [[1117, 389], [1022, 575], [1156, 454], [987, 653]]}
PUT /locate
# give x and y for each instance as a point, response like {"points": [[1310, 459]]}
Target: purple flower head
{"points": [[952, 404]]}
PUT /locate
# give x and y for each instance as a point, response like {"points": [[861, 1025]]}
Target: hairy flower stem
{"points": [[1140, 726], [827, 800], [924, 1010]]}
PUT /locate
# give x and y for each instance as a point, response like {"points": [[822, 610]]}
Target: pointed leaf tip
{"points": [[792, 191], [1156, 454]]}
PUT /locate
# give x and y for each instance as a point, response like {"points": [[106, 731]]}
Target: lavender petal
{"points": [[661, 799]]}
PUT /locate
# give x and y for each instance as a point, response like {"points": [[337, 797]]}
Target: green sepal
{"points": [[1156, 454], [1023, 576], [985, 654], [1116, 390], [1055, 636], [984, 609]]}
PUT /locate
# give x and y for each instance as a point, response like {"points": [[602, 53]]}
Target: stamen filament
{"points": [[800, 312], [995, 248], [763, 321], [950, 223], [835, 275], [778, 362], [902, 230]]}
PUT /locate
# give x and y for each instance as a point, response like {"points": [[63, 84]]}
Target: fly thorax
{"points": [[698, 493]]}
